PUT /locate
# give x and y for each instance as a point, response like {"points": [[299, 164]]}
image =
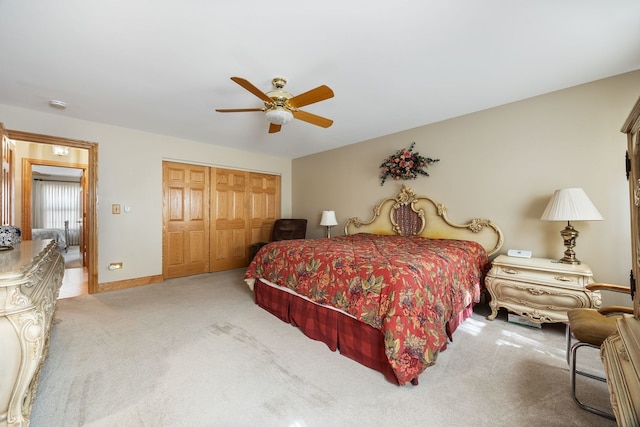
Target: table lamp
{"points": [[328, 220], [570, 204]]}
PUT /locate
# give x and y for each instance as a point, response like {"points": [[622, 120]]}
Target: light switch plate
{"points": [[519, 253]]}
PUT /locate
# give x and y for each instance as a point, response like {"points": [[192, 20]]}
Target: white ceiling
{"points": [[163, 66]]}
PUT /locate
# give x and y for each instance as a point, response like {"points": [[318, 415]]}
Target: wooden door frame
{"points": [[92, 193]]}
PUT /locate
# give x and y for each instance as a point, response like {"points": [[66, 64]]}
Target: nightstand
{"points": [[540, 289]]}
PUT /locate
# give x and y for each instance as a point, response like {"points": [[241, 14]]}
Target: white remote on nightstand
{"points": [[518, 253]]}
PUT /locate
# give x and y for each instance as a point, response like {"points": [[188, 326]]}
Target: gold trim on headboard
{"points": [[409, 214]]}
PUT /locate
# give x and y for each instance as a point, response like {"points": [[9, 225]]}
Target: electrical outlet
{"points": [[115, 209], [115, 266]]}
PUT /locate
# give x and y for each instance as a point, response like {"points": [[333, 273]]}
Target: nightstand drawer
{"points": [[554, 278], [530, 299]]}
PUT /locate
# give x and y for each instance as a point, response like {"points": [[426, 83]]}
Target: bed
{"points": [[388, 294], [61, 236]]}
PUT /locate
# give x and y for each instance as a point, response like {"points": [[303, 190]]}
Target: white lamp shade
{"points": [[328, 218], [279, 116], [570, 204]]}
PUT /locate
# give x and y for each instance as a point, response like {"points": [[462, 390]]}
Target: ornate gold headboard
{"points": [[407, 214]]}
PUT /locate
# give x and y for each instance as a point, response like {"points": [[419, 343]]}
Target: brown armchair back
{"points": [[289, 229], [284, 229]]}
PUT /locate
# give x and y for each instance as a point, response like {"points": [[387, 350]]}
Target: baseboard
{"points": [[129, 283]]}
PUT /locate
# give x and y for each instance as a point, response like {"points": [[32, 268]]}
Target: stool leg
{"points": [[574, 371], [568, 338]]}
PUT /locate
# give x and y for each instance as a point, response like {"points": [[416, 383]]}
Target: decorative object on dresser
{"points": [[570, 204], [30, 279], [10, 235], [539, 289], [328, 220], [373, 293], [620, 352], [590, 328]]}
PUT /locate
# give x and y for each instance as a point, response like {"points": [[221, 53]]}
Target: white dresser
{"points": [[30, 278], [541, 289]]}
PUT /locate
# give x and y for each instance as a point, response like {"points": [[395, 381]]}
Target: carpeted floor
{"points": [[197, 351]]}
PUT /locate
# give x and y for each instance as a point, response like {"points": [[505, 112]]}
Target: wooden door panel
{"points": [[197, 202], [185, 219], [229, 244], [198, 176], [175, 249], [198, 249], [176, 204], [265, 206], [175, 174]]}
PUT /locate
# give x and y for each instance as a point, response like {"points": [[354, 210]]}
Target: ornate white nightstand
{"points": [[539, 289]]}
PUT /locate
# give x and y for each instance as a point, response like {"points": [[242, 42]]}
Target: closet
{"points": [[211, 216]]}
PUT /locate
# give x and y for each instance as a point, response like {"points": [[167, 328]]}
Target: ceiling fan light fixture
{"points": [[279, 116]]}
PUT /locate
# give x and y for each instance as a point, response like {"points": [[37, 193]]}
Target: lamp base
{"points": [[569, 235], [328, 231], [569, 260]]}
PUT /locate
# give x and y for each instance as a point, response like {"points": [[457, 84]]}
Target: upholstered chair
{"points": [[590, 327]]}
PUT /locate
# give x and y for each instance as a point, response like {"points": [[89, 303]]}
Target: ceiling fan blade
{"points": [[310, 97], [237, 110], [251, 88], [273, 128], [312, 118]]}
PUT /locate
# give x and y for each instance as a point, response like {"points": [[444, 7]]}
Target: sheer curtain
{"points": [[55, 202]]}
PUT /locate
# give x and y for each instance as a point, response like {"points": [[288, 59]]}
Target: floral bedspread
{"points": [[407, 287]]}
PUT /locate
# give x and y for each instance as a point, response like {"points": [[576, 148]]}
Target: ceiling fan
{"points": [[280, 107]]}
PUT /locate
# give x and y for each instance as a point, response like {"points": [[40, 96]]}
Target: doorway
{"points": [[90, 229], [55, 203]]}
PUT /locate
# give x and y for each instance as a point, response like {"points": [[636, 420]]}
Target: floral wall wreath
{"points": [[405, 165]]}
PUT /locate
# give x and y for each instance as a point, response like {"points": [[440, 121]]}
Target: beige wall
{"points": [[503, 164], [130, 173]]}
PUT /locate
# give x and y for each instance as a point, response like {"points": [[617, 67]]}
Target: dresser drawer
{"points": [[541, 297], [554, 278]]}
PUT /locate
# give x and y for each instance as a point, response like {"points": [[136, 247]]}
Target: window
{"points": [[55, 202]]}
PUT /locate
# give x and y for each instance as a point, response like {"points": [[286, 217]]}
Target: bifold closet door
{"points": [[229, 219], [185, 211], [244, 206], [264, 191]]}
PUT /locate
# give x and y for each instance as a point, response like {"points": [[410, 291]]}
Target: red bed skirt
{"points": [[354, 339]]}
